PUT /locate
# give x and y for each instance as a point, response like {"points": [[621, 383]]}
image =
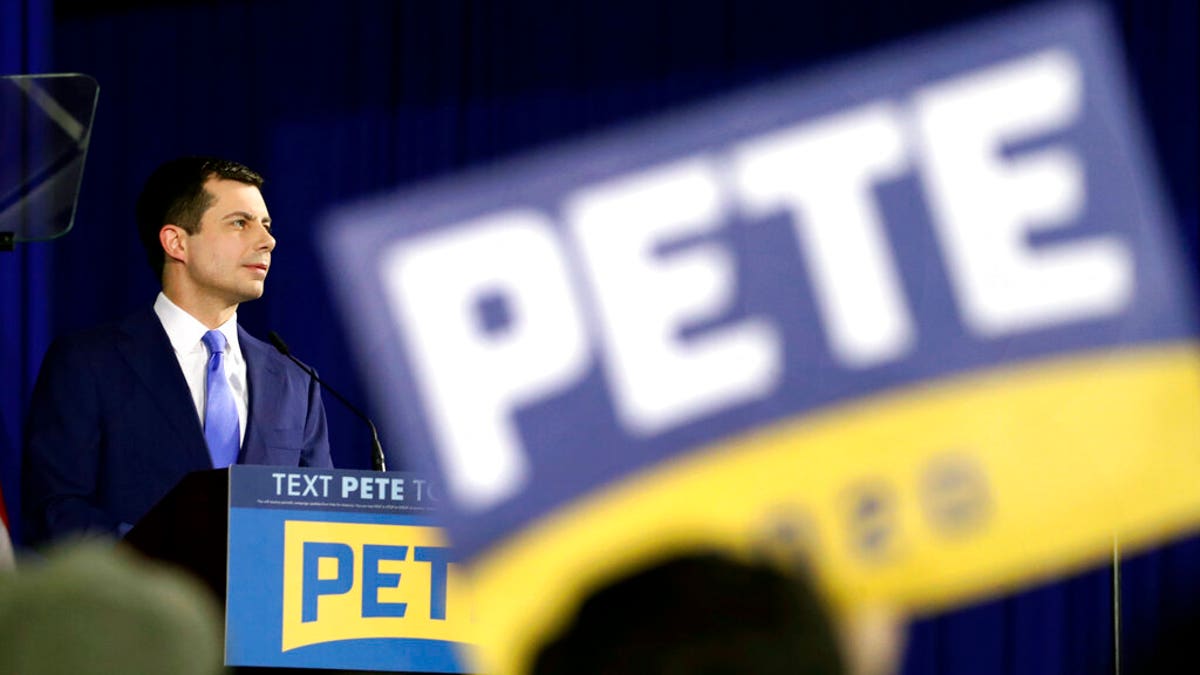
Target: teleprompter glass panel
{"points": [[45, 129]]}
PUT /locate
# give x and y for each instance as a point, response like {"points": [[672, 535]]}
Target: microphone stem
{"points": [[378, 461]]}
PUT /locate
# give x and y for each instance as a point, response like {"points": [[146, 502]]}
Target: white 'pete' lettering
{"points": [[822, 174], [378, 488]]}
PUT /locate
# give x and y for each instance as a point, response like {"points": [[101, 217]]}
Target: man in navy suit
{"points": [[122, 412]]}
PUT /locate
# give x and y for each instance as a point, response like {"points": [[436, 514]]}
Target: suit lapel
{"points": [[263, 376], [148, 352]]}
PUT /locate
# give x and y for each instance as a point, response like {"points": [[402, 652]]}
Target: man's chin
{"points": [[253, 292]]}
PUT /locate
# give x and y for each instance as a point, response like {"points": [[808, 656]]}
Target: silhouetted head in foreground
{"points": [[95, 609], [702, 614]]}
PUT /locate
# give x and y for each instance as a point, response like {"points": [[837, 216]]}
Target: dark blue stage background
{"points": [[336, 101]]}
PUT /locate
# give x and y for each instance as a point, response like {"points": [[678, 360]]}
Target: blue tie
{"points": [[221, 428]]}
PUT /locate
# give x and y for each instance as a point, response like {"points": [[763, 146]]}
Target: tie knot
{"points": [[215, 341]]}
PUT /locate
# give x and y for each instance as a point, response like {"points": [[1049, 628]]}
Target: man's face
{"points": [[229, 255]]}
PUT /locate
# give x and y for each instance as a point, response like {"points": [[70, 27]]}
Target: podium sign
{"points": [[340, 569]]}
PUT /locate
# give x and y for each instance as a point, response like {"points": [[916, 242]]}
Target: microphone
{"points": [[378, 462]]}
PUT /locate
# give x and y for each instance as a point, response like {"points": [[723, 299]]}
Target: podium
{"points": [[318, 568], [189, 528]]}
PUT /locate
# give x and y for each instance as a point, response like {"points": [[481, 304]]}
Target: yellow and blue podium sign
{"points": [[919, 318], [341, 569]]}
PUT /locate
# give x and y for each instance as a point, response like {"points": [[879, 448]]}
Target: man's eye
{"points": [[240, 222]]}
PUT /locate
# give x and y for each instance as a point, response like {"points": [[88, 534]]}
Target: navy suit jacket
{"points": [[112, 426]]}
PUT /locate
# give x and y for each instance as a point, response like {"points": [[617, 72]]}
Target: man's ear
{"points": [[174, 242]]}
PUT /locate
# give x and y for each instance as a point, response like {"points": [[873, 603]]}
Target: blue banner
{"points": [[919, 314], [982, 200]]}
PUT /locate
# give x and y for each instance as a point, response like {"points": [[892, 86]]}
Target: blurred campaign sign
{"points": [[341, 569], [920, 316]]}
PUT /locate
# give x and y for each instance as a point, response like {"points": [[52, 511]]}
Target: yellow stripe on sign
{"points": [[348, 581], [924, 498]]}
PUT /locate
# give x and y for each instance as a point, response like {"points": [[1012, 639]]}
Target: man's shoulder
{"points": [[254, 348], [104, 336]]}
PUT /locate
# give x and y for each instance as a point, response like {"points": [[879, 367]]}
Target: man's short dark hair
{"points": [[699, 614], [175, 194]]}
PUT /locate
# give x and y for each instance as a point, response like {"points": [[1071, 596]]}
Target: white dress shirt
{"points": [[185, 333]]}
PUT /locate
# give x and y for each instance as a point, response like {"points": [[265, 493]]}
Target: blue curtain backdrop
{"points": [[335, 101], [25, 273]]}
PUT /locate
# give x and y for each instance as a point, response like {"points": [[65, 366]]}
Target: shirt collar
{"points": [[184, 330]]}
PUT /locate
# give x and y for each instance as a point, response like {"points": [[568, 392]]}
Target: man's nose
{"points": [[268, 241]]}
